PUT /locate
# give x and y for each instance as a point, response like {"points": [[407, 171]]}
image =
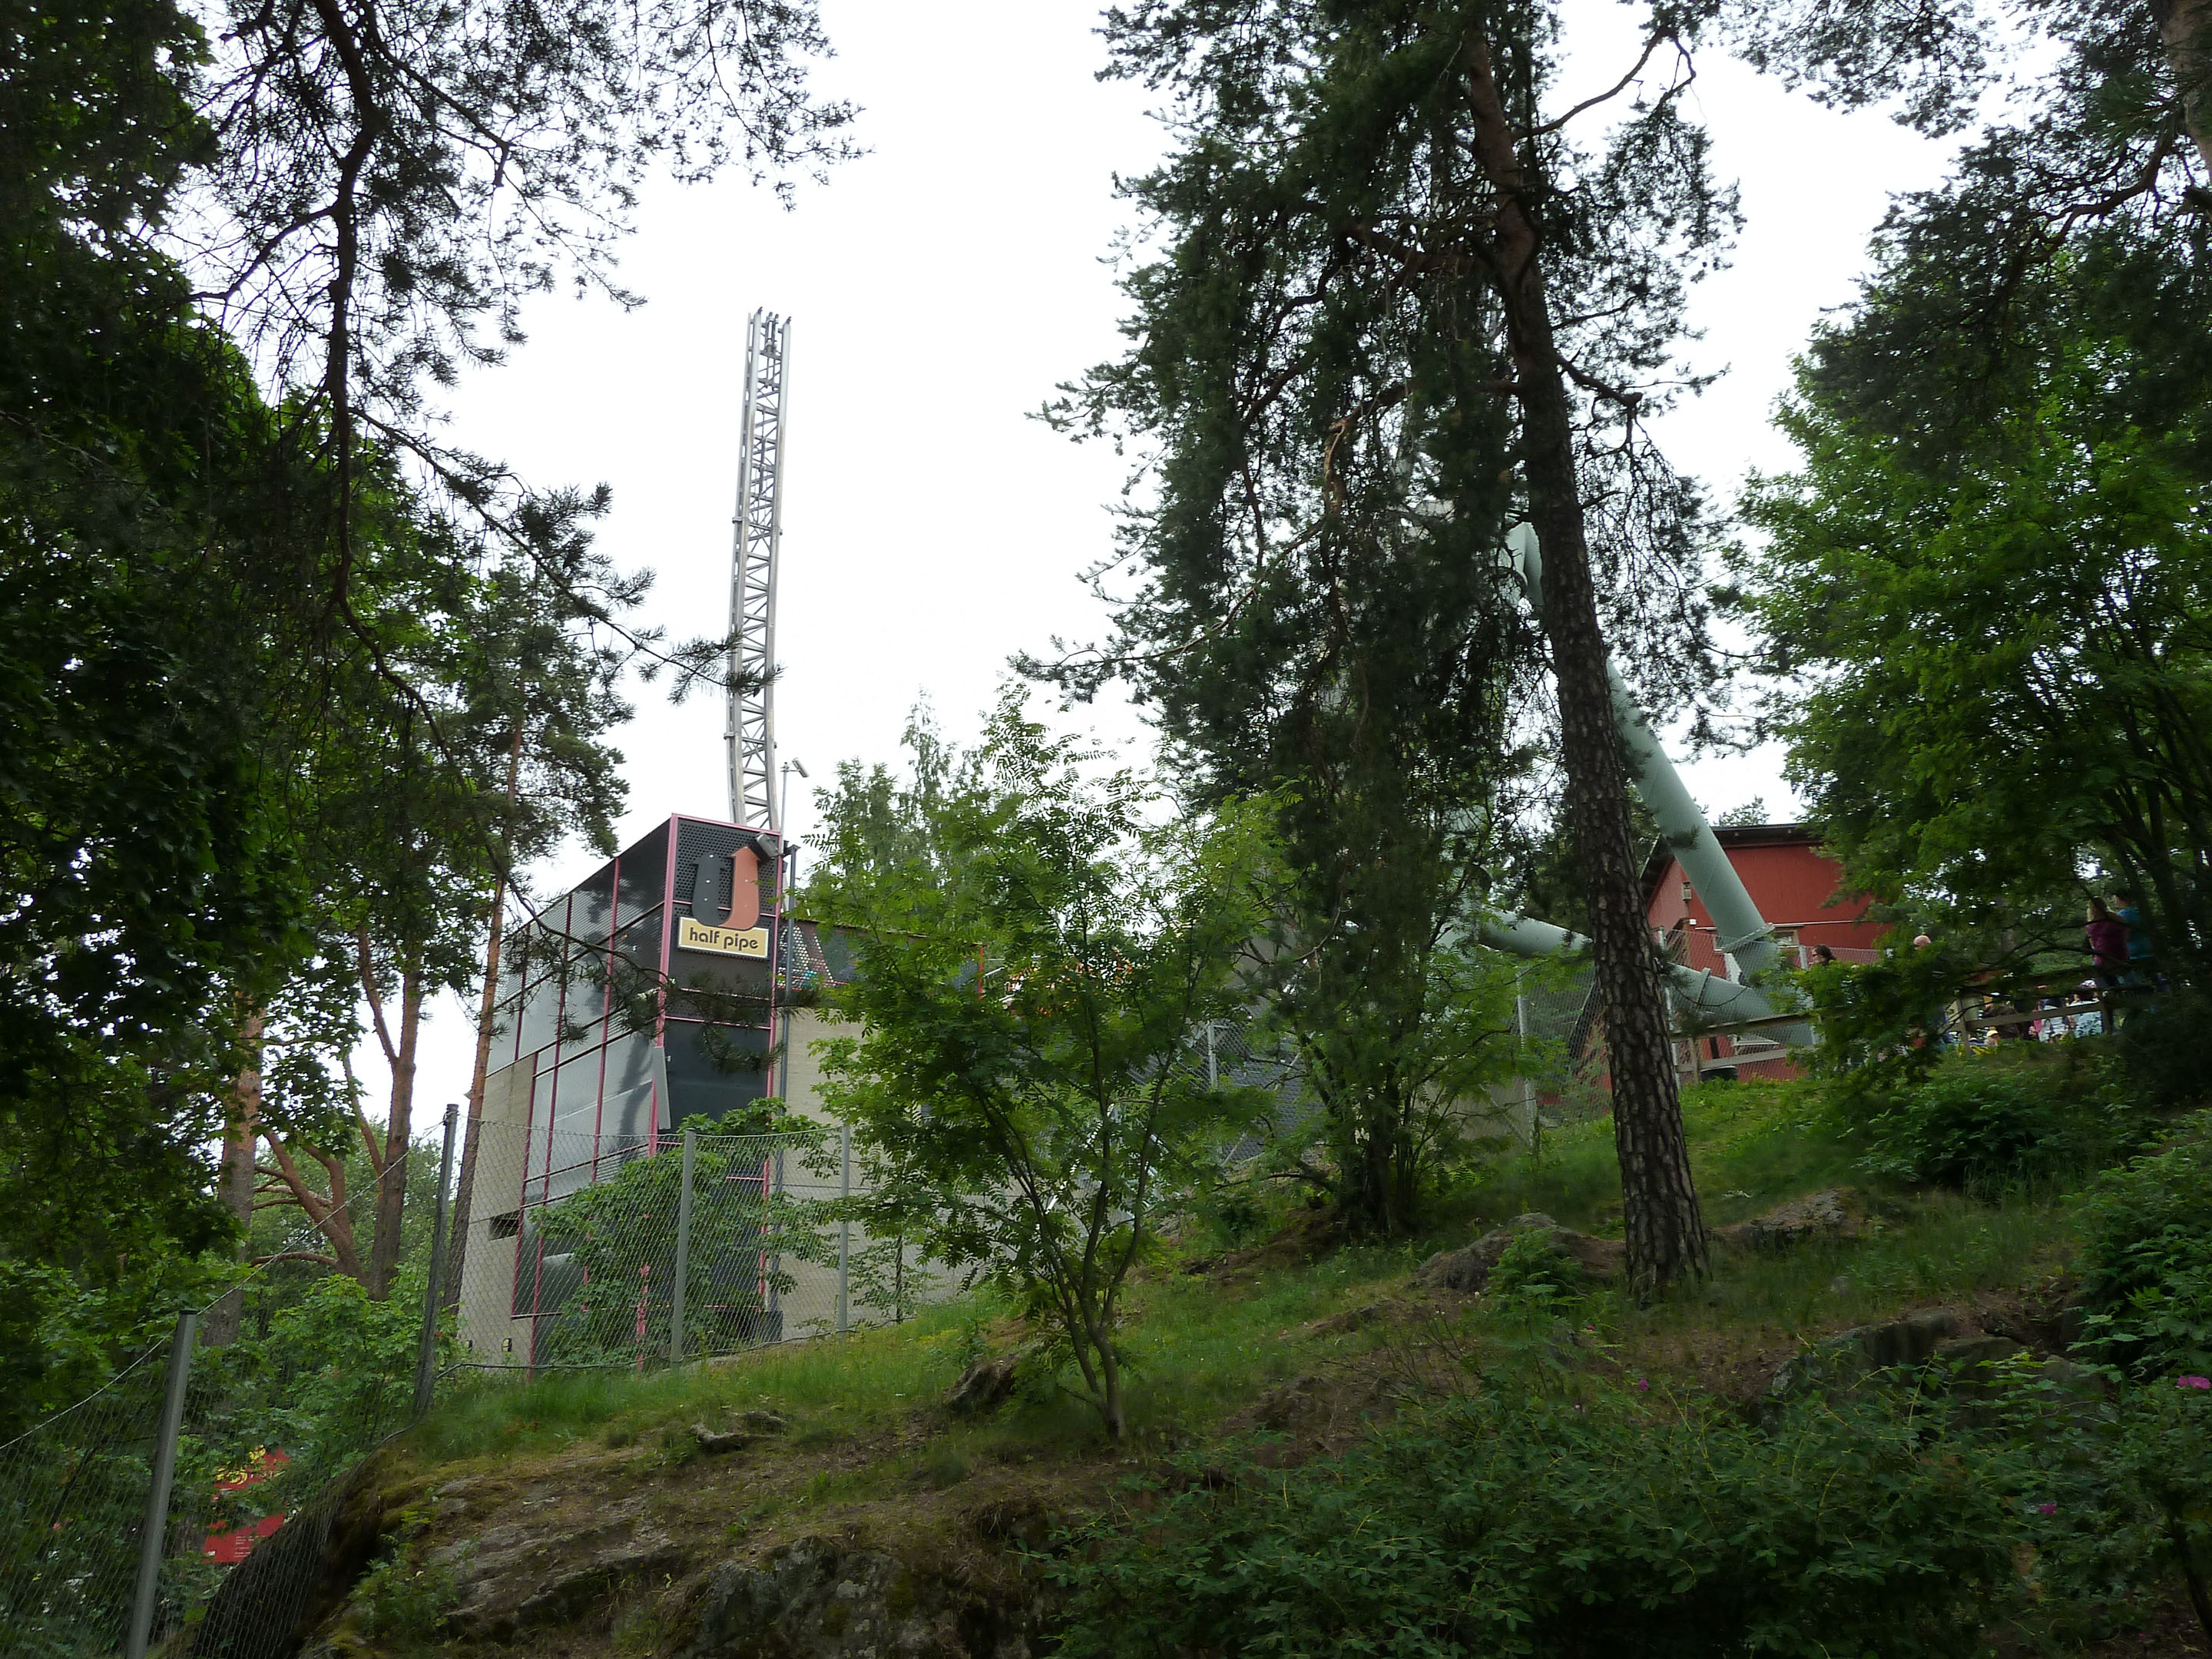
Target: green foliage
{"points": [[1234, 1213], [244, 739], [1983, 1121], [1530, 1274], [1883, 1023], [876, 825], [861, 1382], [1595, 1520], [2147, 1257], [1022, 1086], [1993, 664], [1967, 1125], [402, 1599], [333, 1373], [1400, 1041], [145, 494], [2111, 1491], [887, 1278], [1932, 1111], [1751, 1145], [618, 1237], [2166, 1048], [1335, 456]]}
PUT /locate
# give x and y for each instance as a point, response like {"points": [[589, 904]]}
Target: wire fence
{"points": [[122, 1516], [185, 1507], [585, 1250]]}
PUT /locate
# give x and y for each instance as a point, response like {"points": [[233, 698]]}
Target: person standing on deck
{"points": [[2109, 939], [2126, 912]]}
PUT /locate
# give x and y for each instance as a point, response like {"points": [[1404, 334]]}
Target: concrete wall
{"points": [[488, 1278]]}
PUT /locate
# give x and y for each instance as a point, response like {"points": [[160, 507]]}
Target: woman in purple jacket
{"points": [[2108, 943]]}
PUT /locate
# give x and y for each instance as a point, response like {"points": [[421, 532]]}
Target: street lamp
{"points": [[783, 806]]}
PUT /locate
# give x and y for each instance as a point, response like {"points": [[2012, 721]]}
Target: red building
{"points": [[1794, 884]]}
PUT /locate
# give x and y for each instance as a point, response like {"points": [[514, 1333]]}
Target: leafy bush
{"points": [[402, 1600], [1531, 1272], [2112, 1489], [1881, 1023], [2147, 1261], [616, 1240], [1536, 1523], [1967, 1125], [1981, 1122], [2165, 1049]]}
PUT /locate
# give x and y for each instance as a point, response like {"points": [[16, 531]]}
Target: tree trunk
{"points": [[2185, 27], [391, 1168], [331, 1215], [457, 1252], [1659, 1204], [1109, 1383], [241, 1137]]}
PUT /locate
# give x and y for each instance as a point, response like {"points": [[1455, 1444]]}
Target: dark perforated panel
{"points": [[644, 871], [713, 841]]}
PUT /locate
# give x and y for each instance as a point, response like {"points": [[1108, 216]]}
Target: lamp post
{"points": [[783, 806]]}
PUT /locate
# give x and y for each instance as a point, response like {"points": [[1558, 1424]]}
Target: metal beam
{"points": [[1722, 999], [749, 728], [1743, 932]]}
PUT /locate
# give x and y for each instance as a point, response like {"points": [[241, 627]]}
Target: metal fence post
{"points": [[683, 1252], [426, 1356], [1527, 1083], [153, 1540], [844, 1228]]}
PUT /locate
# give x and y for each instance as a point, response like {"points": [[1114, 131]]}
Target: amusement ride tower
{"points": [[749, 731]]}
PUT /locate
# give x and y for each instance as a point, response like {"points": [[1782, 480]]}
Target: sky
{"points": [[941, 287]]}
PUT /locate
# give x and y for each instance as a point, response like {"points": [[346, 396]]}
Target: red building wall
{"points": [[1793, 883]]}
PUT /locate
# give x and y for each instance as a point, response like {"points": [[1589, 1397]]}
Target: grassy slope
{"points": [[1216, 1340], [1205, 1343]]}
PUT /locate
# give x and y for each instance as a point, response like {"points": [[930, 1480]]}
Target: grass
{"points": [[1751, 1147], [1935, 1246], [1202, 1347], [1199, 1348], [829, 1387]]}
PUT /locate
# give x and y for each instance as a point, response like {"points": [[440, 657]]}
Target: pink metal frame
{"points": [[667, 908]]}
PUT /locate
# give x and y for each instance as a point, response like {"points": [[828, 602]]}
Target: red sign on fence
{"points": [[231, 1545]]}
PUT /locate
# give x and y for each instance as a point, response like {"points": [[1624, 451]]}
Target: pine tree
{"points": [[1395, 309]]}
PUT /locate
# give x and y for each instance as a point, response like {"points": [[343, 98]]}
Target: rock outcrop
{"points": [[1831, 1214], [1842, 1360], [1468, 1268], [515, 1577], [817, 1598], [985, 1385], [1940, 1338]]}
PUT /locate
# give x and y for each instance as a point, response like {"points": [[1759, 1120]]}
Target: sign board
{"points": [[722, 941]]}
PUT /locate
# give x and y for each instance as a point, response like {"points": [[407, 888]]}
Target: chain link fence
{"points": [[583, 1250], [185, 1507], [121, 1517]]}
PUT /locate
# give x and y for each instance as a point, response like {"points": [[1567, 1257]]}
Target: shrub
{"points": [[2165, 1049], [402, 1602], [1539, 1523], [1531, 1272], [1983, 1122], [1880, 1022], [2146, 1261], [1968, 1125], [2112, 1489]]}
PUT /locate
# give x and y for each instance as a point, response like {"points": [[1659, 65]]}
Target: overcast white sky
{"points": [[941, 287]]}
